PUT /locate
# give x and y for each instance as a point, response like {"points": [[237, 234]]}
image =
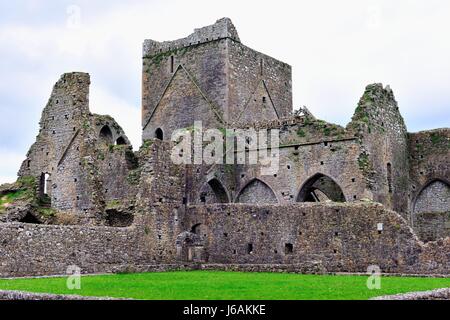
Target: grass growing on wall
{"points": [[227, 285], [11, 197]]}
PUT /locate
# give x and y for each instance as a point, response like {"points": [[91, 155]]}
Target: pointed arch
{"points": [[320, 188], [257, 191], [106, 134], [194, 82], [214, 192], [433, 197]]}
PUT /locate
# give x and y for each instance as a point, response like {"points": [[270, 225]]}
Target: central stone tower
{"points": [[210, 76]]}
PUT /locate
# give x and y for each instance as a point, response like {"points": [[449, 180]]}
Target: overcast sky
{"points": [[335, 48]]}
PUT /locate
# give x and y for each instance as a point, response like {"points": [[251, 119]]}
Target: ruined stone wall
{"points": [[160, 200], [339, 237], [29, 249], [380, 126], [431, 226], [314, 238], [70, 148], [429, 152], [429, 192]]}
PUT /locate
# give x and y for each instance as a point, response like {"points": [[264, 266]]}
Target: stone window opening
{"points": [[389, 176], [261, 67], [159, 134], [28, 164], [264, 99], [171, 64], [250, 248], [106, 135], [120, 141], [44, 184], [288, 248]]}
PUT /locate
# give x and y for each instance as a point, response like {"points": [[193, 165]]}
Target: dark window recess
{"points": [[171, 64], [202, 199], [389, 177], [250, 248], [288, 248], [184, 200], [159, 134], [264, 100]]}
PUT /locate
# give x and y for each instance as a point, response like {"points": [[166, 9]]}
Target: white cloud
{"points": [[10, 164]]}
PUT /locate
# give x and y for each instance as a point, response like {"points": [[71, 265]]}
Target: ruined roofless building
{"points": [[343, 198]]}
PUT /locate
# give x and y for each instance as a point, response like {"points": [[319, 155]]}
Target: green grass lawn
{"points": [[192, 285]]}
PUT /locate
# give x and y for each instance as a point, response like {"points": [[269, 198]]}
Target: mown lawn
{"points": [[193, 285]]}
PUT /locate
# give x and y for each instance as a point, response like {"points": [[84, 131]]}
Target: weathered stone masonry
{"points": [[84, 197]]}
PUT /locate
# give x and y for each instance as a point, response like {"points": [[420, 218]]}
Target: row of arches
{"points": [[318, 188], [107, 137]]}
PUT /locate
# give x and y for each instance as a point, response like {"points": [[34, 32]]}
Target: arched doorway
{"points": [[257, 191], [191, 245], [320, 188]]}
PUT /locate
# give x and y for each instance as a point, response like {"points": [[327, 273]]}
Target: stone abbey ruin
{"points": [[344, 198]]}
